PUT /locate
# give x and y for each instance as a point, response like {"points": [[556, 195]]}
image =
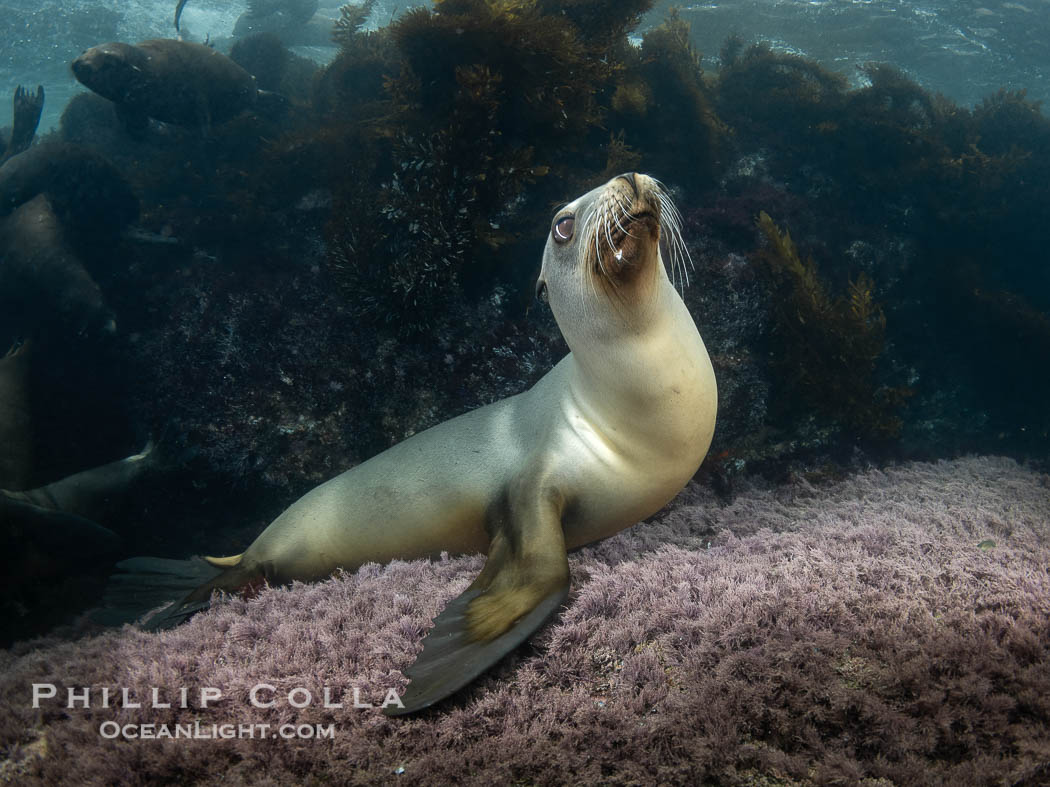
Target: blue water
{"points": [[964, 49], [40, 38]]}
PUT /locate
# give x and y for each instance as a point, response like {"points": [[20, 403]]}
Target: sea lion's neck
{"points": [[653, 368]]}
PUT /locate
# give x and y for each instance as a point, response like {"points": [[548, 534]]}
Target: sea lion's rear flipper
{"points": [[525, 579], [144, 583]]}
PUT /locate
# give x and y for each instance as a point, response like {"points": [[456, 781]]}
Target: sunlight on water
{"points": [[962, 49]]}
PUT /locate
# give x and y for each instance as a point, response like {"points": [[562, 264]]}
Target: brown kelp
{"points": [[827, 347], [466, 121]]}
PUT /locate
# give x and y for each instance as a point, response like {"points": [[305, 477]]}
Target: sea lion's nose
{"points": [[629, 177]]}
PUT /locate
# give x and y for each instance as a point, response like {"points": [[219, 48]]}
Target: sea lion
{"points": [[44, 287], [315, 33], [16, 422], [40, 437], [172, 81], [36, 542], [56, 530], [84, 188], [603, 440], [283, 17], [93, 494], [271, 13]]}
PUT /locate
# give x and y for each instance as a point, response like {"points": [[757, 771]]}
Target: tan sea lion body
{"points": [[469, 461], [605, 439]]}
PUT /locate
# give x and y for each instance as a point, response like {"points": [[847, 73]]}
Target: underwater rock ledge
{"points": [[894, 625]]}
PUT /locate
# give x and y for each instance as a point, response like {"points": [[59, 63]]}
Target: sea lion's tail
{"points": [[142, 584]]}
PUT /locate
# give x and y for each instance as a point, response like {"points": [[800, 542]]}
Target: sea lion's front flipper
{"points": [[178, 12], [525, 579], [133, 120], [26, 117]]}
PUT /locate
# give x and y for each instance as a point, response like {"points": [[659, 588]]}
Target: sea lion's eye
{"points": [[563, 229]]}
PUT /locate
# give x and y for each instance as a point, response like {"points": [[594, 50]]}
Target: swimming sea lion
{"points": [[44, 287], [603, 440], [37, 541], [277, 16], [316, 32], [56, 530], [93, 494], [84, 188], [270, 12], [173, 81]]}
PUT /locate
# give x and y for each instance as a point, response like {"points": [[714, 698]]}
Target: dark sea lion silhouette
{"points": [[172, 81]]}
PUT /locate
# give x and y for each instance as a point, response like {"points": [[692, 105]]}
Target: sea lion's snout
{"points": [[89, 68], [82, 66], [640, 196], [627, 223], [607, 245], [108, 69], [630, 179]]}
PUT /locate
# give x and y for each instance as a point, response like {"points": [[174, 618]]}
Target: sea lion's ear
{"points": [[525, 579]]}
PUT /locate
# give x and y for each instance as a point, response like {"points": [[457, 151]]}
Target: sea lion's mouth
{"points": [[623, 228], [628, 231]]}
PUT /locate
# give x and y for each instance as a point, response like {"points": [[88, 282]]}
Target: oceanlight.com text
{"points": [[199, 731]]}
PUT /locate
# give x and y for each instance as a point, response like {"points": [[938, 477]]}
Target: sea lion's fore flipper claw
{"points": [[25, 119], [525, 580]]}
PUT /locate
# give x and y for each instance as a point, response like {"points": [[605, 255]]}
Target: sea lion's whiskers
{"points": [[625, 213], [671, 220], [585, 233], [674, 218], [668, 227], [608, 232], [606, 224], [600, 223], [675, 252]]}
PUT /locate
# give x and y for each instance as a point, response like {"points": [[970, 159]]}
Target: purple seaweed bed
{"points": [[892, 628]]}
